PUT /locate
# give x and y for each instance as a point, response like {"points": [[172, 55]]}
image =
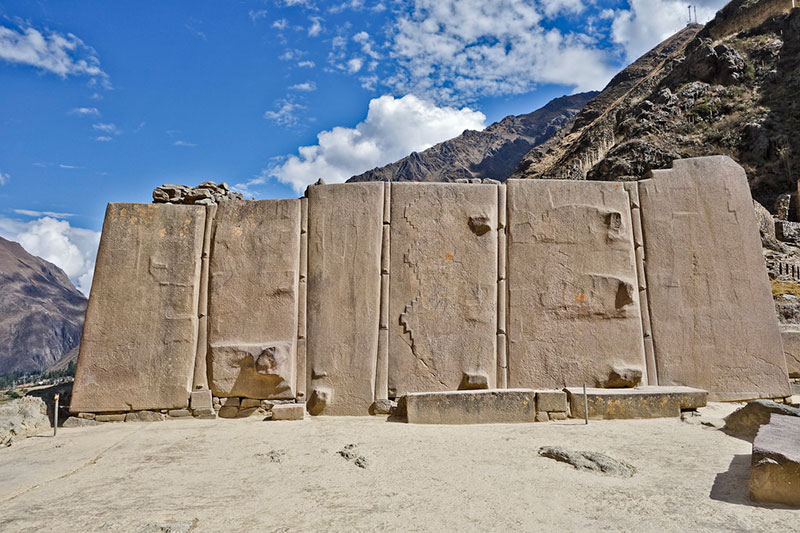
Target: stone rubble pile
{"points": [[207, 193]]}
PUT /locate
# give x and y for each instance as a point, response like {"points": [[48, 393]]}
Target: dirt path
{"points": [[248, 475]]}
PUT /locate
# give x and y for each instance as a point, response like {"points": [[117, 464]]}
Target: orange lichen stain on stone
{"points": [[162, 232], [449, 257], [580, 297]]}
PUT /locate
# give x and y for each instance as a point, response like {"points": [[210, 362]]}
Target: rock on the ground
{"points": [[775, 464], [592, 461], [75, 422], [22, 417], [745, 422]]}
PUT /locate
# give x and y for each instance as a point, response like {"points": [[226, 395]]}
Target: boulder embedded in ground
{"points": [[75, 422], [775, 463], [745, 422], [592, 461], [22, 417]]}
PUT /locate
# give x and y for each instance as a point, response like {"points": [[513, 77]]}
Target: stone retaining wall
{"points": [[359, 293]]}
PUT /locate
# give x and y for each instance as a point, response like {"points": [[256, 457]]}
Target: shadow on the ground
{"points": [[733, 486]]}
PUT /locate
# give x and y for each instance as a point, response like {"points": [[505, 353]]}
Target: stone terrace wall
{"points": [[362, 292]]}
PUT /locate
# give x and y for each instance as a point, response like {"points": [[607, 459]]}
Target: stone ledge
{"points": [[775, 463], [488, 406], [641, 402]]}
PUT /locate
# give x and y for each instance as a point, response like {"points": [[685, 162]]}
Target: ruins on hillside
{"points": [[360, 293]]}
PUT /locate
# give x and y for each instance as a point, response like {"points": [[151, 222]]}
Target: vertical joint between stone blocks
{"points": [[302, 297], [502, 303], [641, 280], [200, 376], [382, 361]]}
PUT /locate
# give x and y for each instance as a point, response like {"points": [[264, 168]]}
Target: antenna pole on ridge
{"points": [[690, 16]]}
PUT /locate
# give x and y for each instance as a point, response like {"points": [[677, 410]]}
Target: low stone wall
{"points": [[359, 293]]}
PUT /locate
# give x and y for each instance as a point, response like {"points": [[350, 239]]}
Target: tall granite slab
{"points": [[713, 320], [140, 334], [253, 299], [345, 227], [790, 334], [443, 290], [573, 303]]}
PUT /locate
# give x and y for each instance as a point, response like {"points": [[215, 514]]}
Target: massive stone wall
{"points": [[362, 292]]}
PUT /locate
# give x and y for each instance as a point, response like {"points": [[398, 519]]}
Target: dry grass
{"points": [[779, 288]]}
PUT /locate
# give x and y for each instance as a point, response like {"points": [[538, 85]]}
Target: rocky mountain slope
{"points": [[41, 312], [729, 88], [491, 153]]}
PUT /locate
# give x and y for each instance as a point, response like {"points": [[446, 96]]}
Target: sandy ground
{"points": [[249, 475]]}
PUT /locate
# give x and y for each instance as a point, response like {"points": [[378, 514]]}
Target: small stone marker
{"points": [[288, 411], [55, 417]]}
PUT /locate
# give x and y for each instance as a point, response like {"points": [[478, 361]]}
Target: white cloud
{"points": [[85, 111], [280, 24], [70, 248], [306, 64], [554, 8], [257, 14], [31, 213], [107, 128], [354, 65], [184, 143], [69, 167], [61, 54], [366, 43], [285, 113], [459, 50], [103, 138], [648, 22], [315, 28], [394, 127], [304, 87], [4, 178]]}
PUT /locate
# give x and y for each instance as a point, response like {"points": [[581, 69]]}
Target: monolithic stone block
{"points": [[140, 335], [179, 413], [115, 417], [253, 299], [573, 305], [494, 406], [644, 402], [249, 403], [288, 411], [711, 308], [253, 370], [746, 421], [345, 227], [144, 416], [551, 400], [790, 334], [443, 290], [228, 411], [201, 399], [775, 466]]}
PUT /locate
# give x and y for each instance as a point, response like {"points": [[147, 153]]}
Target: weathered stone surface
{"points": [[775, 466], [443, 290], [573, 308], [288, 411], [179, 413], [745, 422], [201, 399], [249, 403], [114, 417], [345, 227], [144, 416], [542, 416], [320, 398], [713, 318], [22, 417], [551, 400], [591, 461], [790, 334], [558, 415], [474, 381], [644, 402], [254, 273], [206, 193], [495, 406], [787, 231], [228, 411], [140, 334], [623, 377], [382, 407], [75, 422]]}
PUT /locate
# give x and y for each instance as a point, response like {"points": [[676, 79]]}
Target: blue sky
{"points": [[102, 101]]}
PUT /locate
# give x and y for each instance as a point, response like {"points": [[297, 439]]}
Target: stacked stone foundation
{"points": [[357, 294]]}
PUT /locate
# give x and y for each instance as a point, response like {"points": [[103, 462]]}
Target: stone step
{"points": [[488, 406], [640, 402], [775, 463]]}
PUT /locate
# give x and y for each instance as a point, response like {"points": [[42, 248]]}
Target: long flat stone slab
{"points": [[345, 234], [253, 299], [775, 466], [140, 336], [711, 308], [640, 402], [491, 406], [573, 300], [443, 290]]}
